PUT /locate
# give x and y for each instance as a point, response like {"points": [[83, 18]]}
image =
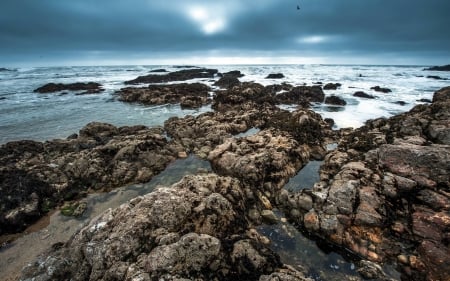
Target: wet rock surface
{"points": [[362, 94], [88, 88], [275, 76], [181, 75], [384, 193], [187, 95], [38, 176], [332, 86], [335, 100], [381, 89], [194, 230]]}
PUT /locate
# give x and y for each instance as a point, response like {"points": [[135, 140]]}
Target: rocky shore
{"points": [[383, 195]]}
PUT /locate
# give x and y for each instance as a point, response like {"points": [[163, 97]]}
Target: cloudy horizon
{"points": [[82, 32]]}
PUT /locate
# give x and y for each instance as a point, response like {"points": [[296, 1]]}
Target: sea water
{"points": [[28, 115]]}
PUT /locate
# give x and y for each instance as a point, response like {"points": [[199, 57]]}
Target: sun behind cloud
{"points": [[209, 21]]}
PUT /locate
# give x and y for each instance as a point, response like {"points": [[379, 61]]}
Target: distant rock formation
{"points": [[181, 75], [439, 68], [89, 87], [380, 89], [275, 76], [332, 86], [362, 94]]}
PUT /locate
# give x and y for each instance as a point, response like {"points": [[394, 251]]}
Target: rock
{"points": [[194, 230], [89, 88], [275, 76], [42, 175], [435, 77], [245, 94], [379, 89], [335, 100], [442, 95], [362, 94], [227, 82], [402, 103], [439, 68], [370, 270], [302, 94], [269, 217], [436, 260], [233, 73], [158, 70], [181, 75], [332, 86], [424, 100], [188, 95]]}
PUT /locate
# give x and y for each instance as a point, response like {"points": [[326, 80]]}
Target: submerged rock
{"points": [[332, 86], [187, 95], [362, 94], [335, 100], [181, 75]]}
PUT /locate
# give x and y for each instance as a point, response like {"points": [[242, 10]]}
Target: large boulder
{"points": [[302, 95]]}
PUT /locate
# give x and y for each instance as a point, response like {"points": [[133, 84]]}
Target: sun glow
{"points": [[208, 22]]}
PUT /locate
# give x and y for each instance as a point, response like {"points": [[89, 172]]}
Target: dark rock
{"points": [[425, 100], [2, 69], [382, 90], [362, 94], [233, 73], [400, 102], [435, 77], [227, 82], [275, 76], [185, 66], [243, 94], [35, 176], [89, 88], [301, 95], [158, 70], [188, 95], [335, 100], [439, 68], [332, 86], [181, 75]]}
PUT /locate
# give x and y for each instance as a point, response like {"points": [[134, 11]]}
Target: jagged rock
{"points": [[36, 176], [335, 100], [384, 192], [194, 230], [89, 88], [181, 75], [188, 95], [302, 95], [244, 94]]}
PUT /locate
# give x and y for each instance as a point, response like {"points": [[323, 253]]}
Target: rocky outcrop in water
{"points": [[302, 95], [88, 88], [275, 76], [384, 193], [380, 89], [187, 95], [362, 94], [181, 75], [36, 176], [439, 68], [332, 86], [335, 100]]}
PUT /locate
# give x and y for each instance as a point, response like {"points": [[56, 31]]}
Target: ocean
{"points": [[28, 115]]}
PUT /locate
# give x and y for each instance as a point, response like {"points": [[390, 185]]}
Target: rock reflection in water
{"points": [[304, 254], [306, 177]]}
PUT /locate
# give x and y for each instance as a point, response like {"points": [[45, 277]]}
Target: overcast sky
{"points": [[86, 32]]}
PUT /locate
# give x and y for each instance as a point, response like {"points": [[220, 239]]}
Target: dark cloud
{"points": [[102, 29]]}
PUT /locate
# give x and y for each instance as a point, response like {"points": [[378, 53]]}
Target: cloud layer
{"points": [[144, 30]]}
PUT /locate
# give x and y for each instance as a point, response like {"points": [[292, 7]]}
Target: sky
{"points": [[103, 32]]}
